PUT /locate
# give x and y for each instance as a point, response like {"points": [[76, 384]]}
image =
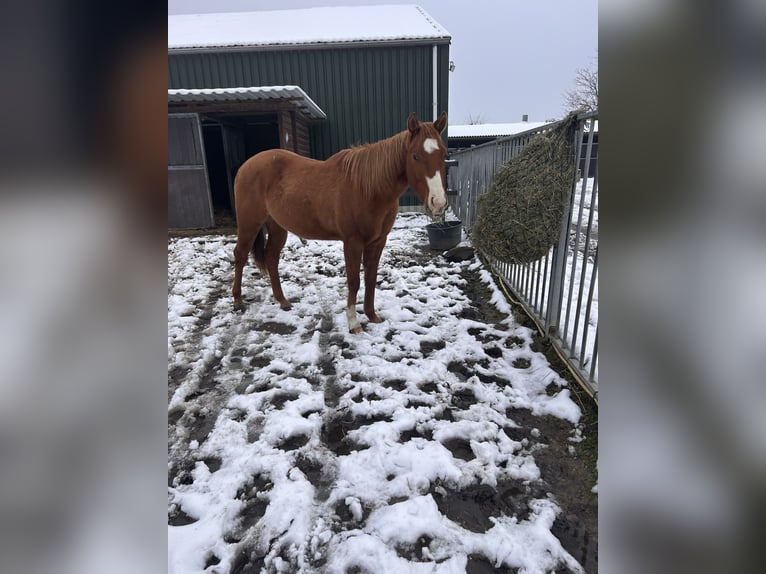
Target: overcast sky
{"points": [[512, 57]]}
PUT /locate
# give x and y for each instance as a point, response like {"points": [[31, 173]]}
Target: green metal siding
{"points": [[367, 93]]}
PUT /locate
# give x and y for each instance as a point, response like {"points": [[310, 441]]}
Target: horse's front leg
{"points": [[372, 255], [352, 251]]}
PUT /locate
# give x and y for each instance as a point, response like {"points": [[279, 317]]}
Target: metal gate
{"points": [[560, 291], [190, 204]]}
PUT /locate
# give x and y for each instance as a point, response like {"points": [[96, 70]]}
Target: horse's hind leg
{"points": [[244, 244], [352, 252], [371, 260], [277, 239]]}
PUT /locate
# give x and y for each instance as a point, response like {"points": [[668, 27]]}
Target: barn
{"points": [[313, 81], [468, 135]]}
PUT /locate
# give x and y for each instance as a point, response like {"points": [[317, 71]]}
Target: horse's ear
{"points": [[412, 123], [441, 122]]}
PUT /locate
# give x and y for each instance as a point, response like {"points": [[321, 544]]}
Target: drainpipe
{"points": [[436, 85]]}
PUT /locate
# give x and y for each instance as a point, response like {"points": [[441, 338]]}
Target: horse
{"points": [[353, 196]]}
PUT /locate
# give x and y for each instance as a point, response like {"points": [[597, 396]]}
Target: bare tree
{"points": [[474, 120], [584, 96]]}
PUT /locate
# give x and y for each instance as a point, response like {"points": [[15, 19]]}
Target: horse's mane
{"points": [[376, 166]]}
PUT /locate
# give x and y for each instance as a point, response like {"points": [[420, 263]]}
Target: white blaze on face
{"points": [[437, 198], [430, 145]]}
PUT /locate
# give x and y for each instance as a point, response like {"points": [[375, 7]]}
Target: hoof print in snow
{"points": [[345, 514], [460, 448], [211, 560], [461, 370], [395, 384], [293, 443], [179, 473], [279, 400], [417, 403], [251, 513], [260, 361], [472, 506], [257, 484], [552, 389], [238, 415], [335, 431], [359, 397], [494, 352], [177, 517], [202, 427], [327, 366], [175, 416], [457, 254], [427, 347], [315, 473], [408, 435], [429, 388], [276, 328], [415, 552], [514, 342], [213, 463], [445, 415], [248, 562], [480, 565], [522, 363], [463, 398], [481, 335]]}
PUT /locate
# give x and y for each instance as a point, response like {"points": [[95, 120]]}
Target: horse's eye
{"points": [[415, 156]]}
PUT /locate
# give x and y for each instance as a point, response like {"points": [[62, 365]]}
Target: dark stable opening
{"points": [[260, 135], [216, 169], [229, 141]]}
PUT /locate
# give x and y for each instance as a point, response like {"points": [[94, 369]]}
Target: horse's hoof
{"points": [[375, 319], [239, 305], [356, 330], [286, 306]]}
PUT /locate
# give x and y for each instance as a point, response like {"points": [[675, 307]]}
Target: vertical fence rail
{"points": [[559, 290]]}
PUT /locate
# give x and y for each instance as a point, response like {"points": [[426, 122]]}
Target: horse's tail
{"points": [[259, 251]]}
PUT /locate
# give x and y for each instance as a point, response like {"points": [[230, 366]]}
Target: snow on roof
{"points": [[491, 130], [295, 93], [323, 25]]}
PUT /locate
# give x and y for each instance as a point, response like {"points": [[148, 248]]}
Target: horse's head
{"points": [[425, 162]]}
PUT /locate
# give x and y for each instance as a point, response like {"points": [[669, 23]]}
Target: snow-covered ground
{"points": [[295, 446]]}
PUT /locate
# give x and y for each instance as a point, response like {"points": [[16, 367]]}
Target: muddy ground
{"points": [[567, 468]]}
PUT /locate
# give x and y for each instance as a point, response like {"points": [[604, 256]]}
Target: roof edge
{"points": [[310, 105], [445, 40]]}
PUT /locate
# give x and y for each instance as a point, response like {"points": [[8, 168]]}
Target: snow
{"points": [[275, 385], [242, 94], [491, 130], [321, 25]]}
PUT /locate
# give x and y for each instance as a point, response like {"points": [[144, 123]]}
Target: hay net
{"points": [[520, 216]]}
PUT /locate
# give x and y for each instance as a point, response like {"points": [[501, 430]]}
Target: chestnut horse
{"points": [[353, 196]]}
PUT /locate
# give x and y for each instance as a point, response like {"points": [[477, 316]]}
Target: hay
{"points": [[520, 216]]}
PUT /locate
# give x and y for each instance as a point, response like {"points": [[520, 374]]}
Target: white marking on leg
{"points": [[430, 145], [353, 322], [437, 198]]}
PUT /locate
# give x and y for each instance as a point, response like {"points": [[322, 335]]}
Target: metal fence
{"points": [[560, 291]]}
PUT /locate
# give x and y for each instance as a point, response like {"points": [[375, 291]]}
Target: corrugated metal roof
{"points": [[259, 93], [491, 130], [322, 25]]}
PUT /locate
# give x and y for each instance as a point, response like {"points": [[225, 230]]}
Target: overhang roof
{"points": [[331, 25], [491, 130], [292, 94]]}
